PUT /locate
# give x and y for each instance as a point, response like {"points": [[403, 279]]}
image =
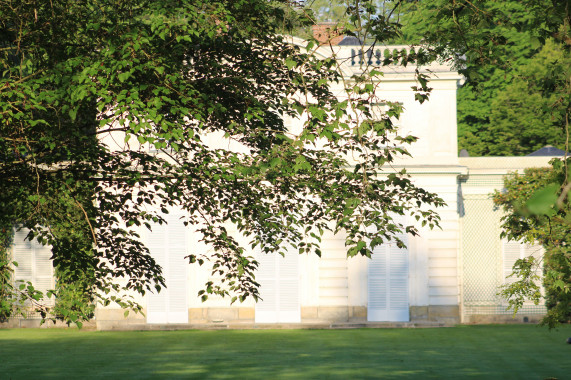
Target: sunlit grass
{"points": [[482, 352]]}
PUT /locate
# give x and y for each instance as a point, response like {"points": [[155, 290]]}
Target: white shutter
{"points": [[157, 302], [398, 283], [513, 250], [23, 255], [378, 280], [288, 290], [267, 277], [177, 270], [34, 262], [168, 246], [388, 283], [44, 270], [279, 288]]}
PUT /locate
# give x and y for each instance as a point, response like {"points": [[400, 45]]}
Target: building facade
{"points": [[448, 275]]}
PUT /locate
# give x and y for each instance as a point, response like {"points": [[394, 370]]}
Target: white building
{"points": [[443, 276]]}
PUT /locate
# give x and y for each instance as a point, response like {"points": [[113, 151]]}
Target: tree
{"points": [[533, 217], [328, 10], [529, 112], [495, 45], [157, 79]]}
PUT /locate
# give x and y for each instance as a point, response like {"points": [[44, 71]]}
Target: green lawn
{"points": [[479, 352]]}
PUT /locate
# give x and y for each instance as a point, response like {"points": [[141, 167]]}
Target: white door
{"points": [[168, 245], [388, 284], [279, 288]]}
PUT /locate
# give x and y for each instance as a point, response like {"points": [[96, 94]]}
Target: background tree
{"points": [[106, 111], [496, 44], [328, 10], [530, 112], [500, 47]]}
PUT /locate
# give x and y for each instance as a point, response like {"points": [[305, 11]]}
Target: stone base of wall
{"points": [[36, 323], [114, 319], [449, 314], [110, 319], [308, 314], [221, 314], [333, 314], [502, 318]]}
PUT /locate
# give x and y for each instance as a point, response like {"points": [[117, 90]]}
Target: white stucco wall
{"points": [[335, 280]]}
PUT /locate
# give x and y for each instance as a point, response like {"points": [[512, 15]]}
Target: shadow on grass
{"points": [[517, 352]]}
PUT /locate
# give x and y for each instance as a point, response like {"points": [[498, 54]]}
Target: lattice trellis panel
{"points": [[481, 247], [495, 181], [483, 259]]}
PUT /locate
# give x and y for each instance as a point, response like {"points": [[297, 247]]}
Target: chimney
{"points": [[327, 33]]}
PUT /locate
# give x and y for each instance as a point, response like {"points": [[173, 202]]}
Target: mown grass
{"points": [[478, 352]]}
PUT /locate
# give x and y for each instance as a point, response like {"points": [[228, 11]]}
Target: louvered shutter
{"points": [[288, 290], [157, 302], [388, 283], [23, 255], [168, 246], [177, 270], [43, 266], [398, 283], [513, 250], [34, 262], [279, 288], [267, 277], [378, 280]]}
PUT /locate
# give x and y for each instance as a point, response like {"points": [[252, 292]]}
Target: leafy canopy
{"points": [[108, 112]]}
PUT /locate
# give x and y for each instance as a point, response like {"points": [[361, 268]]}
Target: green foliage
{"points": [[529, 111], [328, 10], [106, 111], [74, 301], [535, 215], [515, 57]]}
